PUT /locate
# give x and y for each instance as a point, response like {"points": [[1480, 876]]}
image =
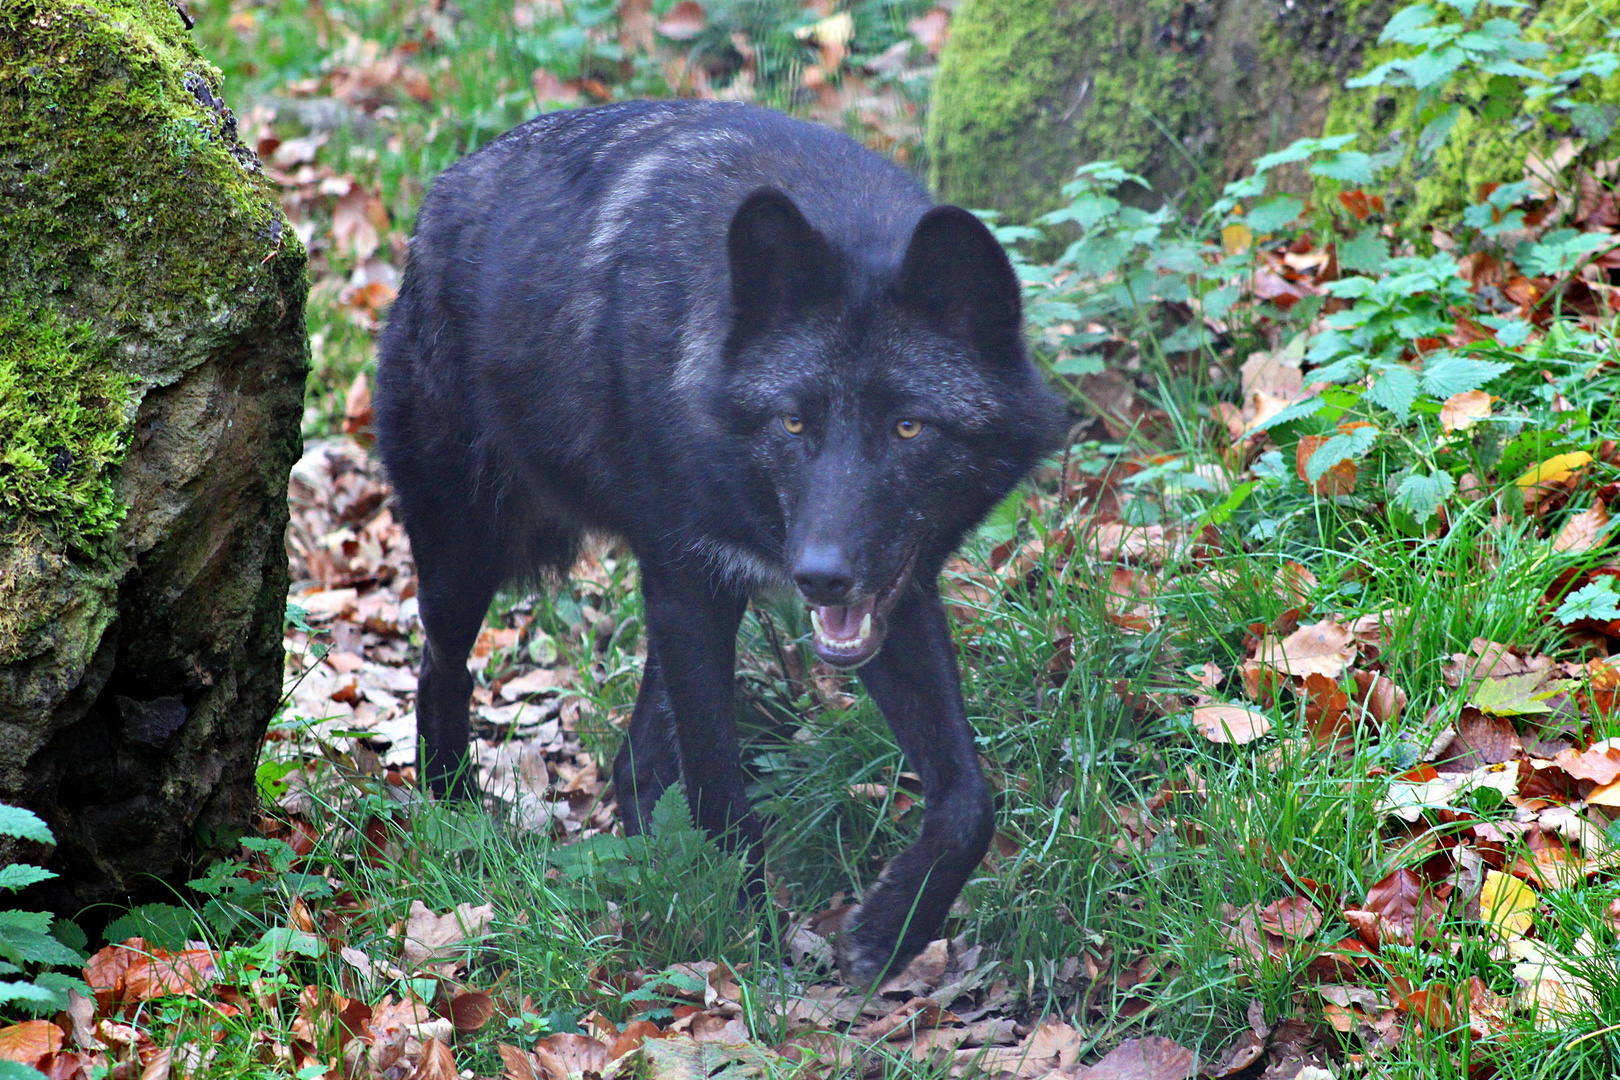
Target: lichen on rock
{"points": [[152, 357]]}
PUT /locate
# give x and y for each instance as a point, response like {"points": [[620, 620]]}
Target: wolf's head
{"points": [[885, 406]]}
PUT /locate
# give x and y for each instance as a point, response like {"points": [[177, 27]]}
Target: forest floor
{"points": [[1295, 674]]}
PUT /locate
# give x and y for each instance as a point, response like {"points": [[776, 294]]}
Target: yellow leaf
{"points": [[1505, 904], [1236, 238], [1462, 411], [1554, 469]]}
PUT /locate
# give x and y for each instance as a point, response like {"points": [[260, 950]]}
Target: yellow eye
{"points": [[793, 424], [908, 429]]}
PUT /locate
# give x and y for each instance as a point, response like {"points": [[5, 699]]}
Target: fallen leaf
{"points": [[1235, 724], [1462, 411], [434, 938], [1554, 470], [1292, 916], [1153, 1058], [29, 1041], [1324, 647], [1515, 695], [1583, 530], [437, 1063], [1506, 904], [685, 21], [471, 1010]]}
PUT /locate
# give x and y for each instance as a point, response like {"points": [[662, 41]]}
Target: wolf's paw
{"points": [[859, 966]]}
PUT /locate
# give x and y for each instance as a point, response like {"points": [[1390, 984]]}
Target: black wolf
{"points": [[764, 358]]}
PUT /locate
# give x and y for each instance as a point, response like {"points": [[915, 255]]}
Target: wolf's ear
{"points": [[780, 265], [956, 274]]}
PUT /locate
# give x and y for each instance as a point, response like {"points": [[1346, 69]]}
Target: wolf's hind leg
{"points": [[649, 760], [914, 681], [455, 588]]}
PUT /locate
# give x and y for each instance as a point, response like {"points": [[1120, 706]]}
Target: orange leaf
{"points": [[29, 1041]]}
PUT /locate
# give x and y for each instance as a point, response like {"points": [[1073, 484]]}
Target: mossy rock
{"points": [[1186, 94], [1478, 152], [152, 359]]}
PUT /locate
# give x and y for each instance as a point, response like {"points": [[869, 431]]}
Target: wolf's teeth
{"points": [[866, 627], [815, 623]]}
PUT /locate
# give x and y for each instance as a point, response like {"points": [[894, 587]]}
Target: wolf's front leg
{"points": [[692, 630], [914, 681]]}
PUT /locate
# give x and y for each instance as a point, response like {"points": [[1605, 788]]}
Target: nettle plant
{"points": [[1385, 348], [32, 943]]}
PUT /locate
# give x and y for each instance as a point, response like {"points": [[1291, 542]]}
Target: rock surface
{"points": [[152, 363], [1186, 94]]}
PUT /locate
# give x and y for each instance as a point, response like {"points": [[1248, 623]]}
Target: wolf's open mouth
{"points": [[848, 635]]}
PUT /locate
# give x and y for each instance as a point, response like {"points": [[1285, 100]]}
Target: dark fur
{"points": [[605, 315]]}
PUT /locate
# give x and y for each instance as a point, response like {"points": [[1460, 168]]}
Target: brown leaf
{"points": [[1340, 479], [519, 1064], [1600, 763], [29, 1041], [165, 973], [1492, 738], [931, 29], [471, 1010], [685, 21], [1327, 715], [1236, 724], [1379, 697], [922, 975], [634, 1034], [434, 938], [1583, 530], [575, 1053], [1462, 411], [1153, 1058], [1292, 916], [437, 1063], [1324, 647]]}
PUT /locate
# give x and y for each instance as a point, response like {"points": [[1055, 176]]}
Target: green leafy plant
{"points": [[32, 944]]}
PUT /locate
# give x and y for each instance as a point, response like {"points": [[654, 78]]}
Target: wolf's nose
{"points": [[823, 574]]}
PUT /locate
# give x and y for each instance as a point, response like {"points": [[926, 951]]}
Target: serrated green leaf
{"points": [[1347, 445], [1405, 20], [33, 947], [1396, 388], [26, 992], [24, 824], [164, 926], [19, 876], [1306, 407], [1597, 600], [37, 921], [1365, 253], [1421, 496], [1448, 375], [1273, 214]]}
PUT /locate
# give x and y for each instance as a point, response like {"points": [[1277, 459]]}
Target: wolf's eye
{"points": [[793, 424], [908, 429]]}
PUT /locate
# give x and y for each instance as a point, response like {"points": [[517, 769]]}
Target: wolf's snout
{"points": [[823, 574]]}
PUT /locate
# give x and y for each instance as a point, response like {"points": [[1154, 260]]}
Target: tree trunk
{"points": [[1184, 93], [152, 362]]}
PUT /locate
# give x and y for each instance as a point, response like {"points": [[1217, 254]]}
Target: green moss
{"points": [[1478, 151], [1185, 95], [62, 426], [144, 216], [139, 241]]}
